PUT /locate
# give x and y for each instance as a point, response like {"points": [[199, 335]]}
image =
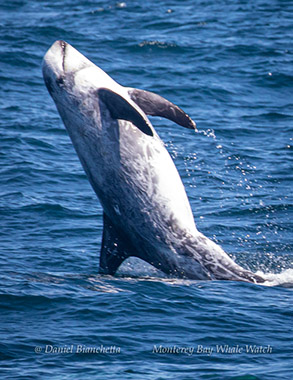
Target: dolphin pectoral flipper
{"points": [[155, 105], [113, 250], [120, 108]]}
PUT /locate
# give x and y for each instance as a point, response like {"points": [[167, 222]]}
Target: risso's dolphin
{"points": [[146, 210]]}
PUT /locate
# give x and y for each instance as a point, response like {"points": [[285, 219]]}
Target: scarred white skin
{"points": [[132, 174]]}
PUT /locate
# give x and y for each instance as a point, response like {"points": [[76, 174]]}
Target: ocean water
{"points": [[228, 64]]}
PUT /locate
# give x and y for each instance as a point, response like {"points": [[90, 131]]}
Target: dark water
{"points": [[229, 65]]}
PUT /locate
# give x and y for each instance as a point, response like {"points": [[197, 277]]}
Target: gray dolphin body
{"points": [[146, 209]]}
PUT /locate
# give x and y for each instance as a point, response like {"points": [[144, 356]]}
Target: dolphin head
{"points": [[80, 88], [66, 70], [60, 65]]}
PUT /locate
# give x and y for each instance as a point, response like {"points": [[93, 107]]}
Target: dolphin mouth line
{"points": [[63, 47]]}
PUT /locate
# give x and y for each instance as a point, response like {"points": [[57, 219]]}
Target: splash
{"points": [[208, 132], [284, 279]]}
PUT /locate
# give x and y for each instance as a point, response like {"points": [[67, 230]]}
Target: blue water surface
{"points": [[228, 64]]}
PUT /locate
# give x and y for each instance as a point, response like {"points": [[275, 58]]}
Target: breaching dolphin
{"points": [[146, 210]]}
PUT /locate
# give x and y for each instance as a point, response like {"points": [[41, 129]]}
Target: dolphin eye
{"points": [[60, 81]]}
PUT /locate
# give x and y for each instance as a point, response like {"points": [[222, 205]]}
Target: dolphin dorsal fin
{"points": [[121, 108], [155, 105]]}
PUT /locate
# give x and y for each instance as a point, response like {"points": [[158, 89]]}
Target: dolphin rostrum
{"points": [[146, 210]]}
